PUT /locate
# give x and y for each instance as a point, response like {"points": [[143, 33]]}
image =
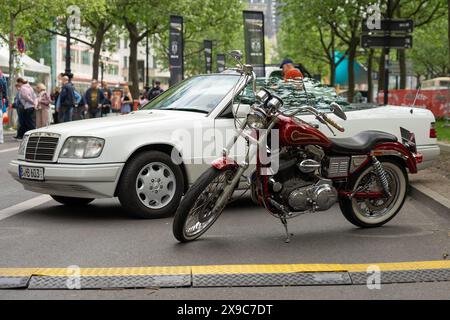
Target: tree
{"points": [[305, 37], [422, 12], [205, 20], [429, 59], [17, 16], [343, 20], [141, 19]]}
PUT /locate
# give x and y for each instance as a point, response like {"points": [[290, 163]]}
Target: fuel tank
{"points": [[296, 132]]}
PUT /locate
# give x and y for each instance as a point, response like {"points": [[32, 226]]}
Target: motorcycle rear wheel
{"points": [[194, 215], [372, 213]]}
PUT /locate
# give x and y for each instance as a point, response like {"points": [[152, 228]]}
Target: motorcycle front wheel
{"points": [[197, 211], [372, 213]]}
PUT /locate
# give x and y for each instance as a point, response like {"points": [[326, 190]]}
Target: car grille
{"points": [[41, 148]]}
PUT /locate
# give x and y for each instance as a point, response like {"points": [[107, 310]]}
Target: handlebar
{"points": [[332, 123], [319, 115]]}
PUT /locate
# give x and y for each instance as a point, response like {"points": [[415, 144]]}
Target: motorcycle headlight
{"points": [[257, 119], [82, 148], [23, 145]]}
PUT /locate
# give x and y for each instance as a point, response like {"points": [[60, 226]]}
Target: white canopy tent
{"points": [[29, 64]]}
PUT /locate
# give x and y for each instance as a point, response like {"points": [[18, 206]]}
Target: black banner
{"points": [[176, 49], [208, 55], [254, 41], [221, 63]]}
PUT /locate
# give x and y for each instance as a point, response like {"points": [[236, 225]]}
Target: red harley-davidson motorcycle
{"points": [[366, 174]]}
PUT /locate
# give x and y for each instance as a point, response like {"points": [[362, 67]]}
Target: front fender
{"points": [[398, 150]]}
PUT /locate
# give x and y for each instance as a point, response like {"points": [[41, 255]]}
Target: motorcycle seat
{"points": [[362, 143]]}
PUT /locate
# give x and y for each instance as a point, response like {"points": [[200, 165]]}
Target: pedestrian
{"points": [[55, 97], [3, 101], [106, 106], [18, 106], [66, 100], [289, 70], [155, 91], [29, 100], [143, 99], [79, 108], [127, 101], [106, 89], [43, 106], [93, 99]]}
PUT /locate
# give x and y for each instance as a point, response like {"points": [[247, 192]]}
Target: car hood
{"points": [[132, 120]]}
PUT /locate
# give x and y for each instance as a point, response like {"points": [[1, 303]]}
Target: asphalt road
{"points": [[101, 235]]}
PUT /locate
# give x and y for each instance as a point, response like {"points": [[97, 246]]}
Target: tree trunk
{"points": [[11, 64], [133, 72], [351, 71], [369, 77], [99, 36], [333, 60], [11, 57]]}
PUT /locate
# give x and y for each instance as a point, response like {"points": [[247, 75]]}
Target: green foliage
{"points": [[219, 21], [430, 52]]}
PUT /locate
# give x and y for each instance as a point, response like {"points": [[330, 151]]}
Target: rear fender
{"points": [[397, 149], [225, 163]]}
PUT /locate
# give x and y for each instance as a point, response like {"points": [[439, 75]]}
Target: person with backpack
{"points": [[66, 100], [29, 101], [78, 110]]}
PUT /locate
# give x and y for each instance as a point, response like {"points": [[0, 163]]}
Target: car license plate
{"points": [[31, 173]]}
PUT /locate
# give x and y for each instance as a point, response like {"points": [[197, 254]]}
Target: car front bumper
{"points": [[81, 181]]}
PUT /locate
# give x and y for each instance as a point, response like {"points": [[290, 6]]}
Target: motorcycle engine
{"points": [[299, 186]]}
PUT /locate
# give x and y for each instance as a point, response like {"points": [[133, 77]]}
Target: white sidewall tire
{"points": [[403, 187]]}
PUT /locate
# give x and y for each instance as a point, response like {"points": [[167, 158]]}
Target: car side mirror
{"points": [[337, 110]]}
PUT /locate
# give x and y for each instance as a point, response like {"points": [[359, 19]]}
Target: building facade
{"points": [[113, 68], [271, 17]]}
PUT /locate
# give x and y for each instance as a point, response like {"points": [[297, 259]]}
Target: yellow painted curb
{"points": [[221, 269]]}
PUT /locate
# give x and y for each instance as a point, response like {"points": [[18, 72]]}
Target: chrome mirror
{"points": [[337, 110], [236, 54]]}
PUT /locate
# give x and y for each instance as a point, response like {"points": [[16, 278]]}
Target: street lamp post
{"points": [[68, 70]]}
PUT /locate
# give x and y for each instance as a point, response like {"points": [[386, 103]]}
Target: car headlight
{"points": [[257, 119], [82, 148], [23, 145]]}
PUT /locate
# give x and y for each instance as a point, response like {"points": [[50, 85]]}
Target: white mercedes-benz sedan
{"points": [[149, 158]]}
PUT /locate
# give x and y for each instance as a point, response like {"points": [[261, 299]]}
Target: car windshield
{"points": [[198, 94]]}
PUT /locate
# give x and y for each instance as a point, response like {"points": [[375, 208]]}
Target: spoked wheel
{"points": [[370, 213], [199, 210]]}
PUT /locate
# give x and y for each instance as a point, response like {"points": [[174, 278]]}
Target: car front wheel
{"points": [[151, 186]]}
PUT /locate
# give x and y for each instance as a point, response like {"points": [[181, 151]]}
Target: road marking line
{"points": [[10, 149], [26, 205], [227, 269]]}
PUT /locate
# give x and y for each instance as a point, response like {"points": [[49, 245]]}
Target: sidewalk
{"points": [[433, 184], [9, 132]]}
